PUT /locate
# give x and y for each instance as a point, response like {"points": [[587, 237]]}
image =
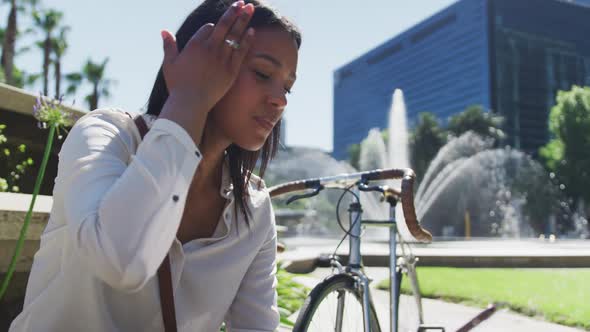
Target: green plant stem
{"points": [[23, 231]]}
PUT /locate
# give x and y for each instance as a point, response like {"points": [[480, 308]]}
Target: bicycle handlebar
{"points": [[407, 192]]}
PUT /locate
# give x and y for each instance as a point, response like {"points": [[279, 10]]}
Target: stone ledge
{"points": [[13, 210], [21, 101]]}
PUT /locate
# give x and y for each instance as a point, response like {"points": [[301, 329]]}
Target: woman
{"points": [[186, 191]]}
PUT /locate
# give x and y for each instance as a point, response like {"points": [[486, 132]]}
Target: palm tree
{"points": [[10, 35], [74, 81], [94, 74], [47, 21], [2, 34], [59, 46], [2, 77], [9, 42]]}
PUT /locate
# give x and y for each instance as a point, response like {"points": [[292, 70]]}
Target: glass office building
{"points": [[510, 56]]}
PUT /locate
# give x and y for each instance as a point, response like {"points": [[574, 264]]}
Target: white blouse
{"points": [[117, 205]]}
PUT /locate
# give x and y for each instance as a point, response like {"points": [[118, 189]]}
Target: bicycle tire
{"points": [[319, 295], [410, 308]]}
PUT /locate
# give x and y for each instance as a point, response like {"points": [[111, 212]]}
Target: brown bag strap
{"points": [[166, 296], [164, 274]]}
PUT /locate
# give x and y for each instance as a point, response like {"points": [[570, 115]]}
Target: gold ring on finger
{"points": [[232, 43]]}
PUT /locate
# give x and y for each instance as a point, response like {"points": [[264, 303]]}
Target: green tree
{"points": [[568, 152], [385, 135], [59, 45], [425, 141], [46, 21], [2, 34], [93, 73], [9, 37], [9, 42], [476, 119], [354, 150], [354, 154], [19, 78]]}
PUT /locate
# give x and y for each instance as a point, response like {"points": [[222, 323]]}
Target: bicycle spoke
{"points": [[325, 317], [340, 310]]}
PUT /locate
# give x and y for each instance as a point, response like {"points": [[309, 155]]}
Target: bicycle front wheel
{"points": [[335, 305]]}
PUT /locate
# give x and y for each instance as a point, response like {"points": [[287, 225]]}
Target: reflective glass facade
{"points": [[536, 52], [511, 56]]}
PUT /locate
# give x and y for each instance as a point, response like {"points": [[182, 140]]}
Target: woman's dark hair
{"points": [[241, 162]]}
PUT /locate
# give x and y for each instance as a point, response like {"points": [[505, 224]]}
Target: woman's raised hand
{"points": [[210, 61]]}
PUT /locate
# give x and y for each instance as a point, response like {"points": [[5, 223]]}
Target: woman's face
{"points": [[247, 114]]}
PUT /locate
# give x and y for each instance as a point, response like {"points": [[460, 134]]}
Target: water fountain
{"points": [[495, 188], [484, 185], [499, 192], [395, 154]]}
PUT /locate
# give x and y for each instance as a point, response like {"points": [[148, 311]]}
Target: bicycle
{"points": [[334, 304]]}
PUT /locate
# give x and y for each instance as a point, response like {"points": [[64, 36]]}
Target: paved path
{"points": [[450, 315]]}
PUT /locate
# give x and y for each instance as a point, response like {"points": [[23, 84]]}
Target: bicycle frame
{"points": [[354, 266], [354, 263]]}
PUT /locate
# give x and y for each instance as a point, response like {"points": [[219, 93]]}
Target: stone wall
{"points": [[13, 210]]}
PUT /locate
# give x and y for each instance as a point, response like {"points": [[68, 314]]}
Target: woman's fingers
{"points": [[208, 65], [237, 57], [170, 48], [236, 33], [225, 23], [202, 34]]}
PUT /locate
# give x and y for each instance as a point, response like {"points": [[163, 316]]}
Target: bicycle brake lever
{"points": [[307, 195], [364, 187]]}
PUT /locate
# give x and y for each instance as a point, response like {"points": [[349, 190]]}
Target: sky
{"points": [[128, 32]]}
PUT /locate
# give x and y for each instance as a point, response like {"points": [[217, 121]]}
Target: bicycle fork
{"points": [[354, 262], [362, 284], [393, 312]]}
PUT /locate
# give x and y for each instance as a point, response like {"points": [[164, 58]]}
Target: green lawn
{"points": [[559, 295], [291, 294]]}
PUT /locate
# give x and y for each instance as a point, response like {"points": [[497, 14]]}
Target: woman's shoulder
{"points": [[116, 115], [107, 116], [117, 120], [258, 190], [114, 122]]}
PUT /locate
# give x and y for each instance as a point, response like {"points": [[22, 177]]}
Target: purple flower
{"points": [[50, 112]]}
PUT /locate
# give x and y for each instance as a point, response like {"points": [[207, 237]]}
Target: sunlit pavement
{"points": [[449, 315]]}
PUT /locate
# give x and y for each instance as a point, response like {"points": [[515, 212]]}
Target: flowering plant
{"points": [[49, 114], [9, 184]]}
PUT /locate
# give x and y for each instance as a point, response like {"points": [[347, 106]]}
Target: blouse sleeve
{"points": [[123, 212], [255, 308]]}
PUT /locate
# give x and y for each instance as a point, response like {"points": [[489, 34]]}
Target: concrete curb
{"points": [[301, 258]]}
